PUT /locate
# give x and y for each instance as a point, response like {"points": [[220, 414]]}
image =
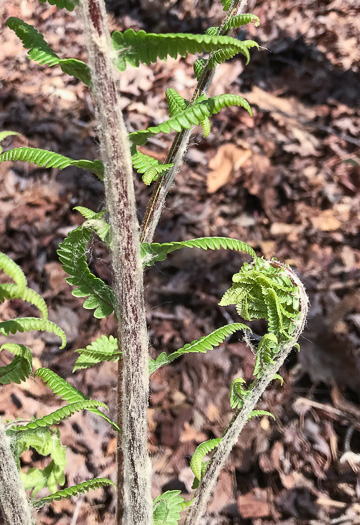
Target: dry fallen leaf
{"points": [[227, 160]]}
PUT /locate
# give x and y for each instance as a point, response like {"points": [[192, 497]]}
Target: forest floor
{"points": [[285, 181]]}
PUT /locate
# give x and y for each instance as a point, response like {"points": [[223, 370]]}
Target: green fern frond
{"points": [[191, 116], [62, 4], [226, 4], [62, 413], [199, 65], [13, 271], [11, 291], [206, 127], [207, 342], [238, 393], [41, 52], [134, 47], [154, 173], [103, 349], [21, 366], [26, 324], [65, 391], [176, 102], [167, 508], [201, 451], [154, 252], [72, 255], [49, 159], [87, 213], [150, 168], [81, 488], [241, 20], [261, 413]]}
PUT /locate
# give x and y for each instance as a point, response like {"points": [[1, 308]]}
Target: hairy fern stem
{"points": [[181, 141], [14, 504], [231, 435], [127, 270]]}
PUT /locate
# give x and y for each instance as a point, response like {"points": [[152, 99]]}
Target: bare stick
{"points": [[217, 463], [127, 269], [180, 144], [14, 504]]}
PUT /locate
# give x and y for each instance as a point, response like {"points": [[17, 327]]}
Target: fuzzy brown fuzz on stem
{"points": [[180, 144], [127, 269], [14, 505]]}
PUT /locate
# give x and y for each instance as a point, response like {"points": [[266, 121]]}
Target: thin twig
{"points": [[240, 419], [135, 493], [180, 143]]}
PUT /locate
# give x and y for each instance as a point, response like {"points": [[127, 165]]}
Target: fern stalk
{"points": [[14, 504], [231, 436], [181, 141], [134, 504]]}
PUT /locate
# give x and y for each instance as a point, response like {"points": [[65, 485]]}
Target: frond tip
{"points": [[21, 366], [167, 508], [81, 488]]}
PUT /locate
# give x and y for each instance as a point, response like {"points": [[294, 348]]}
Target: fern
{"points": [[62, 4], [167, 508], [21, 366], [238, 393], [226, 4], [13, 271], [11, 291], [177, 104], [49, 159], [207, 342], [72, 255], [62, 413], [261, 413], [154, 252], [81, 488], [150, 167], [26, 324], [201, 451], [103, 349], [191, 116], [86, 212], [134, 47], [65, 391], [41, 52]]}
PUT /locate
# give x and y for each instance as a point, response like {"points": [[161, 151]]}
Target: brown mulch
{"points": [[286, 181]]}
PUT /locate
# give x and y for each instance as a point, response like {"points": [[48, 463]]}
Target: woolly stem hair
{"points": [[127, 270], [14, 504]]}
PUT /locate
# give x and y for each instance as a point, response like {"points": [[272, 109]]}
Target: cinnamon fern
{"points": [[80, 488]]}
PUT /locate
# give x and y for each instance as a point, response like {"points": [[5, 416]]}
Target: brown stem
{"points": [[180, 143], [133, 378]]}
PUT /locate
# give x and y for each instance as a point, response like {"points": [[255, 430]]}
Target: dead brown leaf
{"points": [[227, 160]]}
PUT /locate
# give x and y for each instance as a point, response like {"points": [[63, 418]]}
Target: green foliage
{"points": [[134, 47], [150, 168], [81, 488], [226, 4], [207, 342], [65, 391], [155, 252], [191, 116], [199, 454], [11, 291], [177, 104], [62, 413], [72, 255], [62, 4], [238, 393], [49, 159], [261, 413], [41, 52], [241, 20], [13, 271], [26, 324], [167, 508], [103, 349], [265, 290], [46, 442], [21, 366]]}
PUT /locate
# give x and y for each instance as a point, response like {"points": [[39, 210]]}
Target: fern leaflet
{"points": [[72, 255], [21, 366], [191, 116], [26, 324], [154, 252], [62, 413], [49, 159], [167, 508], [103, 349], [41, 52], [11, 291], [62, 4], [81, 488], [13, 271], [261, 413], [207, 342], [150, 168], [65, 391], [134, 47], [201, 451]]}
